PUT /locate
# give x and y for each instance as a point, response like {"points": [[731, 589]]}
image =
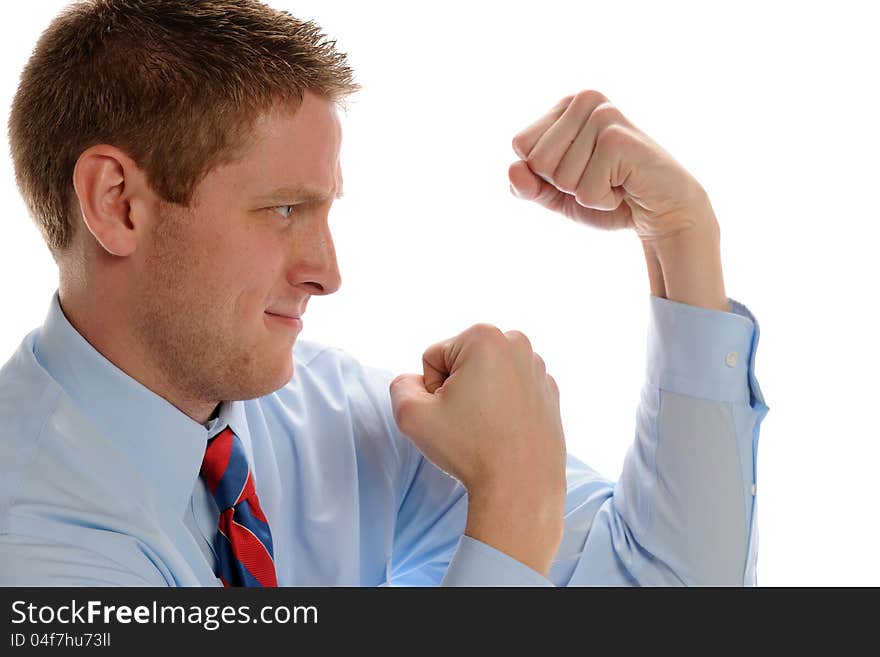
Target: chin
{"points": [[264, 380], [283, 374]]}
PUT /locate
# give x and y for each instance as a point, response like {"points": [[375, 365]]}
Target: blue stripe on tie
{"points": [[235, 477], [232, 570], [246, 518]]}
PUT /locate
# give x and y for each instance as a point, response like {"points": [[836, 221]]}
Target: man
{"points": [[164, 426]]}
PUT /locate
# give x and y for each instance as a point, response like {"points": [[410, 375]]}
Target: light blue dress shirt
{"points": [[99, 476]]}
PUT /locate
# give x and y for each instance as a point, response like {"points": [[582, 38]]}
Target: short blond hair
{"points": [[176, 84]]}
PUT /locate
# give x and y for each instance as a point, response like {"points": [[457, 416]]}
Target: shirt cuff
{"points": [[478, 564], [702, 352]]}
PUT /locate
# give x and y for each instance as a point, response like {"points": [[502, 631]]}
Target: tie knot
{"points": [[225, 469]]}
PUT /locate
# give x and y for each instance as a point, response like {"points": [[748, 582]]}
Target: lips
{"points": [[290, 312], [284, 321], [288, 315]]}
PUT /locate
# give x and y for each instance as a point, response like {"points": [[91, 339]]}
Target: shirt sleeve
{"points": [[30, 561], [682, 511]]}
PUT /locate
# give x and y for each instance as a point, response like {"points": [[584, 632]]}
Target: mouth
{"points": [[285, 320]]}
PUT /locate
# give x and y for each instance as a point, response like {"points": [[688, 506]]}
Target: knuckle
{"points": [[539, 163], [613, 135], [484, 332], [564, 102], [590, 96], [542, 366], [607, 111], [402, 413], [518, 337]]}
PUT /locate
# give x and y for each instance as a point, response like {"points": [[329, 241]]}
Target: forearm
{"points": [[686, 267], [527, 531]]}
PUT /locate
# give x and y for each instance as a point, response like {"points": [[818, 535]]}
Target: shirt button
{"points": [[753, 490], [730, 359]]}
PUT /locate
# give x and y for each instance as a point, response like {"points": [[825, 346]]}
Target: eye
{"points": [[284, 210]]}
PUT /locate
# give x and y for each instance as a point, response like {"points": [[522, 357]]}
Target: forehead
{"points": [[292, 149]]}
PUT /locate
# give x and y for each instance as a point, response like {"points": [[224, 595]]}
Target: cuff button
{"points": [[730, 359]]}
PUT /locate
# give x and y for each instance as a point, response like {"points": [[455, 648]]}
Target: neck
{"points": [[109, 330]]}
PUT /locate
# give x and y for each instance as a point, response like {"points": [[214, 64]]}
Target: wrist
{"points": [[686, 266], [529, 533]]}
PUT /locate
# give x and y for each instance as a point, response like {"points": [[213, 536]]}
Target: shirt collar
{"points": [[163, 442]]}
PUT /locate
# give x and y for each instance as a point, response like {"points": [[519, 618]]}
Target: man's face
{"points": [[211, 276]]}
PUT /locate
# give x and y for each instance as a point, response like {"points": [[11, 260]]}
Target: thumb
{"points": [[412, 403]]}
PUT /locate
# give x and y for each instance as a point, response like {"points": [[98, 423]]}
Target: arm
{"points": [[678, 513], [586, 160], [686, 266], [32, 561], [683, 509]]}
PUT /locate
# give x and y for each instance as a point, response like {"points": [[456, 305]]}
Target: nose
{"points": [[314, 263]]}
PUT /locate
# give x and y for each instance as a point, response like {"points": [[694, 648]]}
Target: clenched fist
{"points": [[586, 160], [486, 412]]}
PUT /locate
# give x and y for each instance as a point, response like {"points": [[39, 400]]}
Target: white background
{"points": [[772, 107]]}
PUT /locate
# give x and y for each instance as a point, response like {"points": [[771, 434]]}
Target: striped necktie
{"points": [[243, 542]]}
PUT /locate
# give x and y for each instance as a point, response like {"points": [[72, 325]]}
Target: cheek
{"points": [[253, 275]]}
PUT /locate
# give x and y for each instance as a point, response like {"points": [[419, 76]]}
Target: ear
{"points": [[109, 185]]}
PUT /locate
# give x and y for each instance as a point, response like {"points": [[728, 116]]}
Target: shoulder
{"points": [[23, 381], [311, 354], [29, 398], [331, 387], [61, 477], [335, 370]]}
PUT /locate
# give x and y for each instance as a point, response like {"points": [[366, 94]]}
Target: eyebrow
{"points": [[301, 193]]}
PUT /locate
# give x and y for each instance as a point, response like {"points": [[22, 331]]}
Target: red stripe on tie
{"points": [[247, 490], [254, 503], [251, 552], [216, 459], [249, 493]]}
